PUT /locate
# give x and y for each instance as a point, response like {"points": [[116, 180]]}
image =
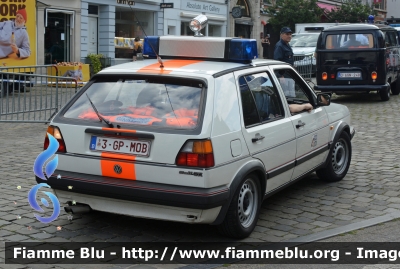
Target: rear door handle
{"points": [[257, 138], [300, 124]]}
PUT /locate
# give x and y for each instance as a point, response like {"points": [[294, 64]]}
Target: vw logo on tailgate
{"points": [[117, 169]]}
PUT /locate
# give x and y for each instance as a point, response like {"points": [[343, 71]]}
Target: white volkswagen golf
{"points": [[201, 136]]}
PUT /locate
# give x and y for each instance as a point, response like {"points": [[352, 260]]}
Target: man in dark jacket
{"points": [[283, 52]]}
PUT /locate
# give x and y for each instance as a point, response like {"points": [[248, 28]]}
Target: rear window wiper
{"points": [[98, 114]]}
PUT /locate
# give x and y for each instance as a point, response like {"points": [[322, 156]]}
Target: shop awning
{"points": [[327, 7]]}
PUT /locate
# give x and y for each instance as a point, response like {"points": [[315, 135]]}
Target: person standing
{"points": [[137, 47], [265, 44], [283, 51]]}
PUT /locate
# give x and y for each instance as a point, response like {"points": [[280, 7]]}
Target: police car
{"points": [[201, 132]]}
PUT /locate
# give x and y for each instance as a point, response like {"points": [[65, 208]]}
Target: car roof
{"points": [[357, 27], [190, 67]]}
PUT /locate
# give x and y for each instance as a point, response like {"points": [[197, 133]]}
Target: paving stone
{"points": [[16, 238], [344, 217], [286, 222], [284, 228], [394, 200], [321, 224], [304, 219], [41, 235], [305, 226], [325, 219]]}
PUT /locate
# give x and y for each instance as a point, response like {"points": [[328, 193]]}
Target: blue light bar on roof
{"points": [[394, 25], [208, 48], [242, 50]]}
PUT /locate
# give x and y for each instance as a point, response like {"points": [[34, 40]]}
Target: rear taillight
{"points": [[374, 75], [55, 132], [324, 76], [196, 153], [332, 76]]}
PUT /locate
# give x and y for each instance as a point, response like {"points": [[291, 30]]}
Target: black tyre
{"points": [[396, 86], [385, 94], [338, 160], [242, 215]]}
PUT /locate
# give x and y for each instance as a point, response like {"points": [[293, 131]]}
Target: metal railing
{"points": [[33, 93], [305, 64]]}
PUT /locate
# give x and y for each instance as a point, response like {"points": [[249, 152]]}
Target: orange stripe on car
{"points": [[119, 130], [108, 167], [169, 66]]}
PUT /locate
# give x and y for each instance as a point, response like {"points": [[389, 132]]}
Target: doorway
{"points": [[92, 35], [243, 30], [57, 38]]}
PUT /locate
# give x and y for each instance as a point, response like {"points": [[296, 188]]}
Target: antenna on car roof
{"points": [[138, 22]]}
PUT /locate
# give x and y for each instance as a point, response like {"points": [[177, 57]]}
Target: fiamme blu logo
{"points": [[44, 166]]}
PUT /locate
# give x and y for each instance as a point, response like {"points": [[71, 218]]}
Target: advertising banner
{"points": [[17, 32]]}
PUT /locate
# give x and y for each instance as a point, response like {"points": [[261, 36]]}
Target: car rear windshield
{"points": [[141, 102], [349, 41], [304, 40]]}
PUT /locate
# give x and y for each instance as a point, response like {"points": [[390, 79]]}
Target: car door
{"points": [[311, 128], [266, 125]]}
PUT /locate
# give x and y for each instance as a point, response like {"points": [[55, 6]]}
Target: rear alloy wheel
{"points": [[338, 161], [396, 86], [243, 211], [385, 94]]}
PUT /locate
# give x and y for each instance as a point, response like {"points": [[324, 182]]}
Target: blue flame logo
{"points": [[44, 156], [32, 201], [49, 169]]}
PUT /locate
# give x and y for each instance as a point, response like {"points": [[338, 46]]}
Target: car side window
{"points": [[295, 90], [260, 99], [390, 40], [250, 115]]}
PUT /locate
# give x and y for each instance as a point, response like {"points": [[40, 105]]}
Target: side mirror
{"points": [[324, 99]]}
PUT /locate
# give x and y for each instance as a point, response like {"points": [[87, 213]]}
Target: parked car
{"points": [[304, 46], [359, 58], [203, 136]]}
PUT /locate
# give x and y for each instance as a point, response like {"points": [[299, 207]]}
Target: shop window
{"points": [[214, 30], [128, 25]]}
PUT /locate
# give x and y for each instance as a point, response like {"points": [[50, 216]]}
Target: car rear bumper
{"points": [[138, 191], [137, 209], [350, 88]]}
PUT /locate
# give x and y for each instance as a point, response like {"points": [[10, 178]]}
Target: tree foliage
{"points": [[289, 12], [351, 11]]}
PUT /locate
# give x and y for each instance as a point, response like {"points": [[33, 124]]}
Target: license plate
{"points": [[349, 74], [126, 146]]}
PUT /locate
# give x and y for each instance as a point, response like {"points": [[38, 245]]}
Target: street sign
{"points": [[126, 2], [167, 5]]}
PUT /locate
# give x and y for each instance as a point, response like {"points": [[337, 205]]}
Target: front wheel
{"points": [[338, 161], [243, 211], [385, 94]]}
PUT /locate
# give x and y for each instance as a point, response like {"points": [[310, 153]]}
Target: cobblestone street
{"points": [[370, 189]]}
